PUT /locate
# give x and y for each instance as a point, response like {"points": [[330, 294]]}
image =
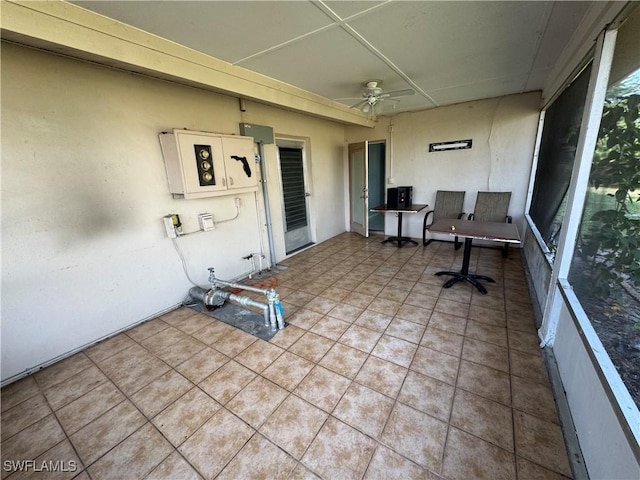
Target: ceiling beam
{"points": [[70, 30]]}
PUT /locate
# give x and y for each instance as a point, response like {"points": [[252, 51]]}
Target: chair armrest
{"points": [[424, 222], [470, 217], [461, 215]]}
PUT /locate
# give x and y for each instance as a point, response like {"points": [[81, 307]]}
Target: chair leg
{"points": [[456, 243], [426, 242], [505, 250]]}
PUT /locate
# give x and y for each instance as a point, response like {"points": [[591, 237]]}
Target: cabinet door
{"points": [[202, 161], [240, 164]]}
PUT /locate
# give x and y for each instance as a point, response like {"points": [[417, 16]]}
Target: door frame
{"points": [[291, 141], [363, 194]]}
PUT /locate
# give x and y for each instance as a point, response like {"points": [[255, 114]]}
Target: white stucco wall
{"points": [[84, 189], [503, 133]]}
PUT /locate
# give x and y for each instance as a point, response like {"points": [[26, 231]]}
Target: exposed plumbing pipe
{"points": [[216, 297], [267, 208], [276, 312]]}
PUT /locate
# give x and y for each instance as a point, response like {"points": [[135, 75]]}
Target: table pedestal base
{"points": [[399, 240], [469, 277]]}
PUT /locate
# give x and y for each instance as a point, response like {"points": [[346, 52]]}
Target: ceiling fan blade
{"points": [[347, 98], [359, 104], [400, 93]]}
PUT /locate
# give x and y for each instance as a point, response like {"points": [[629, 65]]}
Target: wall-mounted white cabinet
{"points": [[202, 164]]}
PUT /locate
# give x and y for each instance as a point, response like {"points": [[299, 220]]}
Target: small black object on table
{"points": [[494, 231], [399, 211]]}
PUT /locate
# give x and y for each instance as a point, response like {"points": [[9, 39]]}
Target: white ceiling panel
{"points": [[447, 51], [228, 30]]}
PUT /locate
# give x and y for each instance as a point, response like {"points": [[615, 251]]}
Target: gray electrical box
{"points": [[260, 133]]}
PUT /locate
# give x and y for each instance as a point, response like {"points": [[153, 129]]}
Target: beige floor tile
{"points": [[347, 313], [88, 407], [468, 457], [541, 442], [415, 314], [259, 355], [74, 387], [369, 288], [534, 398], [483, 418], [487, 333], [493, 300], [382, 376], [61, 457], [384, 306], [528, 366], [147, 329], [428, 395], [322, 388], [395, 293], [184, 416], [360, 338], [98, 437], [227, 381], [364, 409], [451, 308], [436, 364], [320, 305], [137, 456], [256, 401], [226, 432], [530, 471], [487, 315], [294, 425], [314, 288], [359, 300], [422, 300], [305, 319], [339, 451], [62, 370], [111, 346], [416, 436], [406, 330], [387, 464], [213, 332], [259, 458], [526, 342], [311, 346], [335, 293], [442, 341], [17, 392], [447, 322], [24, 414], [484, 381], [374, 320], [234, 342], [172, 468], [487, 354], [344, 360], [287, 337], [32, 441], [173, 346], [202, 364], [330, 327], [300, 299], [154, 397], [179, 315], [133, 368], [395, 350], [288, 370]]}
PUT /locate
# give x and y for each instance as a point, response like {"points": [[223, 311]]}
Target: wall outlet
{"points": [[206, 222]]}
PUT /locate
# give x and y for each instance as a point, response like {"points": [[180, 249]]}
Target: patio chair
{"points": [[448, 205], [493, 207]]}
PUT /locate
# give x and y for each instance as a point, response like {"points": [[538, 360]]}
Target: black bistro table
{"points": [[470, 229], [399, 211]]}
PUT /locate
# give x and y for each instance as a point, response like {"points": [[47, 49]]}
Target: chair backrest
{"points": [[492, 206], [448, 204]]}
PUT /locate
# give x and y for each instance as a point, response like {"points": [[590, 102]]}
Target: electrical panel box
{"points": [[203, 164], [259, 133]]}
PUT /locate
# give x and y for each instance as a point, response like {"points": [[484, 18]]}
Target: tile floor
{"points": [[381, 374]]}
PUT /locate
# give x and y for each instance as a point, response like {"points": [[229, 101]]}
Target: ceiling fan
{"points": [[372, 96]]}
